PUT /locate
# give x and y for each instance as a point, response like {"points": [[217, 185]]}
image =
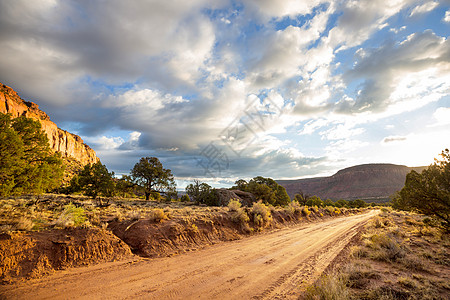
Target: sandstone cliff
{"points": [[370, 182], [69, 145]]}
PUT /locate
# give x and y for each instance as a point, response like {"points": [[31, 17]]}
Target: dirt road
{"points": [[267, 266]]}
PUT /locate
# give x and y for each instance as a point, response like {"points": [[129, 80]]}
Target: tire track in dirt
{"points": [[276, 265]]}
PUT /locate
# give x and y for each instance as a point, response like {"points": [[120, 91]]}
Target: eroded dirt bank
{"points": [[36, 254], [277, 264]]}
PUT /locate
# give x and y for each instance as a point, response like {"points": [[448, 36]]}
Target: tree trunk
{"points": [[147, 196]]}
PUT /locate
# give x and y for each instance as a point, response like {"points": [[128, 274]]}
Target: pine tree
{"points": [[27, 164]]}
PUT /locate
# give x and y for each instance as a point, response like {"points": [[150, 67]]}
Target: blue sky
{"points": [[222, 90]]}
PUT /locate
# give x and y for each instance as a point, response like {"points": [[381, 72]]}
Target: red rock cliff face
{"points": [[70, 146]]}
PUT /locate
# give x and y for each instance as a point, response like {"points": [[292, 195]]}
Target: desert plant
{"points": [[387, 248], [24, 224], [358, 252], [261, 214], [329, 210], [377, 223], [185, 198], [158, 215], [168, 212], [293, 208], [238, 215], [234, 205], [331, 286], [305, 211], [71, 216]]}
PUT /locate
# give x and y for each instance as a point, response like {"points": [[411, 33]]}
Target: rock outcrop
{"points": [[224, 196], [369, 182], [71, 146]]}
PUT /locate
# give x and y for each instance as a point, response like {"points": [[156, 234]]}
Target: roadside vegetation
{"points": [[428, 192], [402, 253], [399, 255], [50, 211]]}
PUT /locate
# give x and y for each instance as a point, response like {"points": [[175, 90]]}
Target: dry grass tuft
{"points": [[331, 286], [158, 215], [24, 224]]}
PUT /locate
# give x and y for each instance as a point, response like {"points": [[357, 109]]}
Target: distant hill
{"points": [[369, 182]]}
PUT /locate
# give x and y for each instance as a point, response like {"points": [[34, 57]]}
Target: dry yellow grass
{"points": [[398, 257]]}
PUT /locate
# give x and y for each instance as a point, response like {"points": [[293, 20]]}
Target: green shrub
{"points": [[314, 201], [329, 210], [185, 198], [71, 216], [234, 205]]}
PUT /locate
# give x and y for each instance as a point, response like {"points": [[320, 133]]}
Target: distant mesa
{"points": [[369, 182], [72, 148]]}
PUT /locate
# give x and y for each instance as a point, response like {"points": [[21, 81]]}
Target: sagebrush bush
{"points": [[134, 215], [386, 209], [238, 215], [358, 252], [157, 215], [187, 211], [305, 211], [413, 263], [293, 208], [386, 246], [234, 205], [377, 223], [329, 210], [331, 286], [261, 214], [168, 212]]}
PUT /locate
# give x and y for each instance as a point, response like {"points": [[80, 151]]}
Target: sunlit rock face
{"points": [[70, 146]]}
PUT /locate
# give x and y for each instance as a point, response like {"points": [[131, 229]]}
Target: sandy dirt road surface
{"points": [[276, 265]]}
